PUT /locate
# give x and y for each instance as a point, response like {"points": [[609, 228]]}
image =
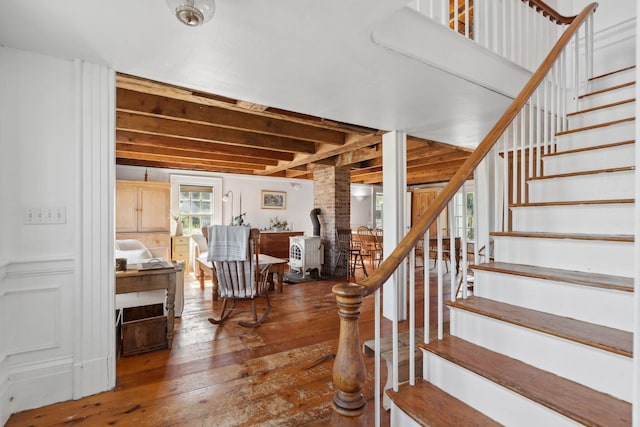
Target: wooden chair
{"points": [[369, 245], [241, 280], [482, 256], [347, 253], [379, 235]]}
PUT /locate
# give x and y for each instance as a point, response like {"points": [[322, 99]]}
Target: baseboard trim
{"points": [[5, 398], [34, 386]]}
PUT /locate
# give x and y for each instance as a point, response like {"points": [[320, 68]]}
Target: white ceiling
{"points": [[313, 57]]}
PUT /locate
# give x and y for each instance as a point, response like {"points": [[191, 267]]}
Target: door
{"points": [[420, 201]]}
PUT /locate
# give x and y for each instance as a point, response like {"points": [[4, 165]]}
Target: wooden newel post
{"points": [[348, 369]]}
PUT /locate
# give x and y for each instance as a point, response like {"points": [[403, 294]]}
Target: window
{"points": [[459, 217], [195, 208], [197, 200], [378, 210]]}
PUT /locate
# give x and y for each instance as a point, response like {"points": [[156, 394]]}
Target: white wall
{"points": [[46, 354], [608, 14], [362, 206], [298, 206], [614, 31]]}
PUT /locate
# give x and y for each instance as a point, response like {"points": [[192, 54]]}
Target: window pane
{"points": [[196, 222], [206, 221], [184, 207], [195, 207], [206, 207], [184, 195], [205, 196]]}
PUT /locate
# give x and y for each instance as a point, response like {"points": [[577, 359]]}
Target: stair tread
{"points": [[573, 400], [609, 89], [573, 203], [601, 107], [429, 405], [628, 238], [597, 336], [583, 173], [605, 281], [610, 73], [599, 125], [590, 148]]}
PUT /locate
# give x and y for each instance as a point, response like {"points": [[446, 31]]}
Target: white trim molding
{"points": [[93, 308]]}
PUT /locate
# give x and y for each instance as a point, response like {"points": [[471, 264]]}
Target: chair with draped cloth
{"points": [[233, 252]]}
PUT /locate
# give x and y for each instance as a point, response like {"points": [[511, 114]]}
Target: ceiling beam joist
{"points": [[131, 101], [204, 146], [177, 128]]}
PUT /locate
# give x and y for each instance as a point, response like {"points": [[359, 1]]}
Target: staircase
{"points": [[546, 339]]}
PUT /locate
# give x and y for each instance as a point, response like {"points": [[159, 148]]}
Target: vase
{"points": [[178, 228]]}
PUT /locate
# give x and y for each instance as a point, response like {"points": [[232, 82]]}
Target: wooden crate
{"points": [[141, 334]]}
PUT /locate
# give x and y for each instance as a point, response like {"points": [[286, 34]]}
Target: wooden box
{"points": [[141, 334]]}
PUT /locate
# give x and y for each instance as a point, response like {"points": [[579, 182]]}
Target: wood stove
{"points": [[306, 253]]}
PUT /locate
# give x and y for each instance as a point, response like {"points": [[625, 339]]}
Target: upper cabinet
{"points": [[142, 206]]}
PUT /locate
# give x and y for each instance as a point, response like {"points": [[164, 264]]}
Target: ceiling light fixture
{"points": [[192, 12]]}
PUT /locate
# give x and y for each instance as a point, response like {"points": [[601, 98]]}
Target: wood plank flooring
{"points": [[278, 374]]}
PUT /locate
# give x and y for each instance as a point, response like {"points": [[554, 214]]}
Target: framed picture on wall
{"points": [[273, 199]]}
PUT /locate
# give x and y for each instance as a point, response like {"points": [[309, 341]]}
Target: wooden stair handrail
{"points": [[550, 12], [391, 262], [348, 368]]}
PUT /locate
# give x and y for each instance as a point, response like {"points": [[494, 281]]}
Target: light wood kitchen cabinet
{"points": [[142, 206], [142, 213], [180, 250]]}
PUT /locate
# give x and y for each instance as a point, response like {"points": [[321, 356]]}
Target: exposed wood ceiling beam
{"points": [[161, 106], [353, 145], [171, 127], [148, 86], [196, 131], [213, 159], [204, 146]]}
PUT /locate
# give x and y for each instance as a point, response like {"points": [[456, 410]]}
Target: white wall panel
{"points": [[36, 316], [56, 280]]}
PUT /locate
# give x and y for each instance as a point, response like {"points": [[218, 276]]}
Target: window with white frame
{"points": [[195, 208], [196, 201]]}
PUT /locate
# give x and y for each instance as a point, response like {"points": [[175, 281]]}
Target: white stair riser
{"points": [[607, 307], [495, 401], [619, 132], [602, 186], [605, 98], [595, 219], [611, 80], [598, 369], [398, 418], [604, 115], [595, 256], [596, 159]]}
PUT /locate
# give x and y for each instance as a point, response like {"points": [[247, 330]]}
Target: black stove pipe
{"points": [[316, 223]]}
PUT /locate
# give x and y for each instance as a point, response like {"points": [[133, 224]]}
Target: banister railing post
{"points": [[348, 368]]}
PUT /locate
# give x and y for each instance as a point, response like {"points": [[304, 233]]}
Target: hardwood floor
{"points": [[278, 374]]}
